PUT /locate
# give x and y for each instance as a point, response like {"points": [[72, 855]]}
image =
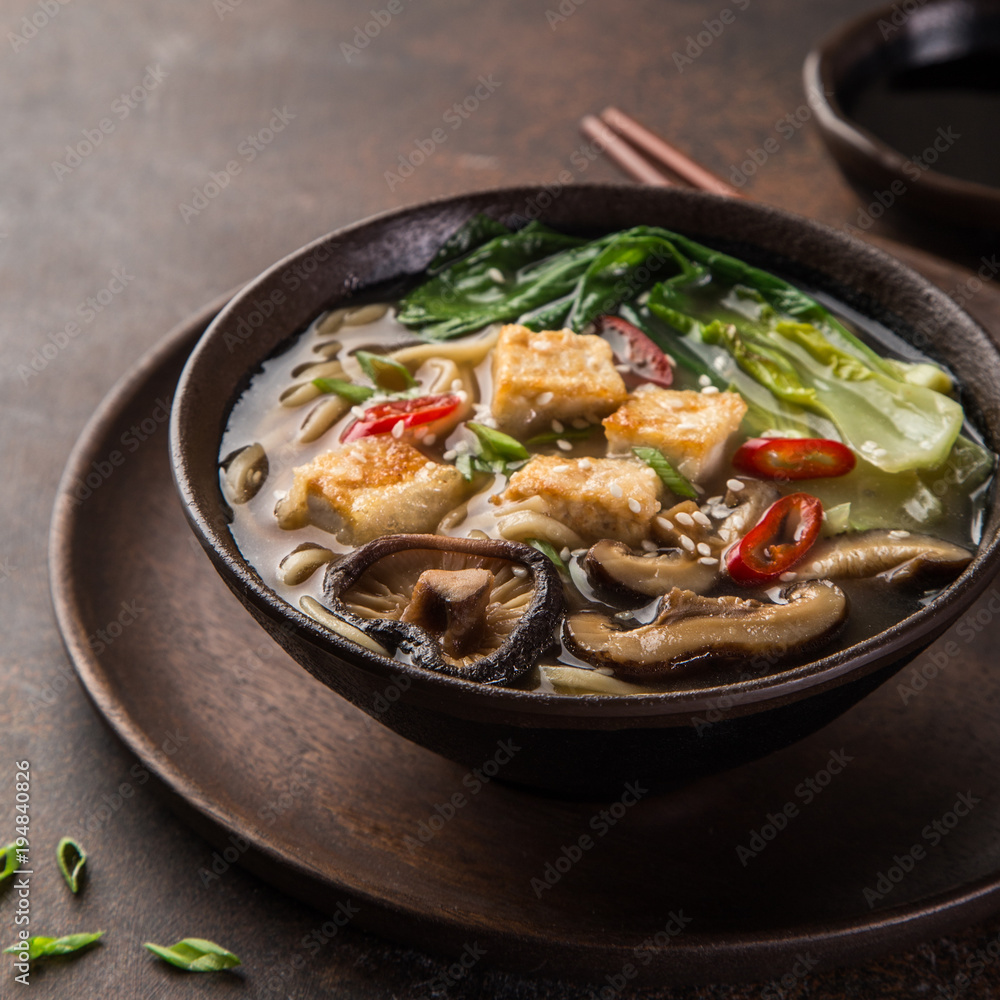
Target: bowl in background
{"points": [[944, 54], [582, 744]]}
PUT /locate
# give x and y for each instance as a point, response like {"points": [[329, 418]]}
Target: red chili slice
{"points": [[633, 348], [794, 458], [383, 417], [782, 537]]}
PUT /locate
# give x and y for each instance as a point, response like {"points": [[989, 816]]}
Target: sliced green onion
{"points": [[497, 445], [384, 372], [547, 549], [40, 947], [10, 861], [671, 478], [350, 391], [71, 858], [195, 955], [569, 435]]}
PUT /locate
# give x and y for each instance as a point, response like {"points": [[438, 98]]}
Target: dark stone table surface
{"points": [[158, 154]]}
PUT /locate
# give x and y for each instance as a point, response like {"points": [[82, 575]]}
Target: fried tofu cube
{"points": [[690, 428], [552, 375], [374, 486], [594, 497]]}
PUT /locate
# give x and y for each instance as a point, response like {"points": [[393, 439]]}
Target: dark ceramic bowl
{"points": [[888, 41], [590, 743]]}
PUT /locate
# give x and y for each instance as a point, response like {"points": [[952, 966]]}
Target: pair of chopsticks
{"points": [[622, 137]]}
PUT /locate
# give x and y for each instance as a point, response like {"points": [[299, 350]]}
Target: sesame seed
{"points": [[585, 464], [430, 438], [704, 521], [519, 571], [899, 534], [714, 500], [450, 455], [623, 368], [704, 380], [563, 445], [565, 553], [785, 577], [562, 468], [708, 561], [615, 490], [687, 543], [700, 490], [683, 517], [545, 398], [558, 427], [580, 424], [397, 429], [648, 545], [579, 552], [495, 274], [735, 485], [634, 505], [704, 549], [665, 524], [430, 466], [710, 390]]}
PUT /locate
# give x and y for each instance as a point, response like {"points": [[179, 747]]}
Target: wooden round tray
{"points": [[809, 851]]}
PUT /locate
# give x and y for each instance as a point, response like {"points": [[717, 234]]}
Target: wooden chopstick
{"points": [[661, 151], [622, 153]]}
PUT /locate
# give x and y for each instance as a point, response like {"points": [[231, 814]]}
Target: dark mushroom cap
{"points": [[372, 587]]}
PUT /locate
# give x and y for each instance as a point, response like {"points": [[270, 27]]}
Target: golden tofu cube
{"points": [[552, 375], [690, 428], [372, 487], [594, 497]]}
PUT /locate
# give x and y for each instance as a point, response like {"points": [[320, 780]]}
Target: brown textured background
{"points": [[228, 65]]}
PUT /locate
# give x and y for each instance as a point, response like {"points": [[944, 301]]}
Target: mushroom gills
{"points": [[695, 631], [892, 556], [614, 566], [481, 609]]}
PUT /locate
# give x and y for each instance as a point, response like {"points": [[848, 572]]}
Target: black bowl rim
{"points": [[833, 121], [523, 707]]}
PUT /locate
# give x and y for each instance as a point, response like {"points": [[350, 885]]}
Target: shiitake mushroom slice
{"points": [[477, 608]]}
